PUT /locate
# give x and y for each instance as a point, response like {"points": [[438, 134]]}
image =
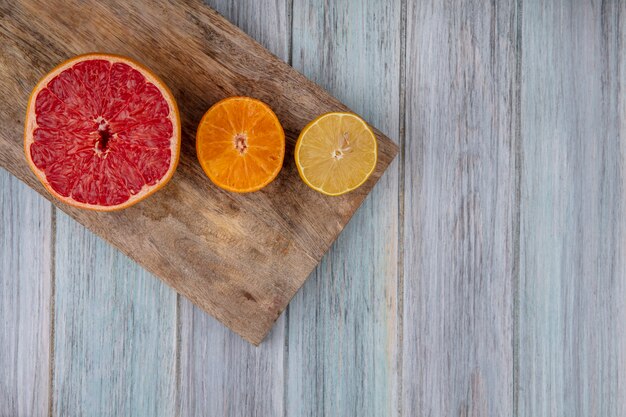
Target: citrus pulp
{"points": [[336, 153], [240, 144], [102, 132]]}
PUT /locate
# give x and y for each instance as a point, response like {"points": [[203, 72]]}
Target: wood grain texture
{"points": [[239, 257], [220, 373], [115, 331], [25, 292], [459, 209], [223, 375], [572, 340], [343, 325]]}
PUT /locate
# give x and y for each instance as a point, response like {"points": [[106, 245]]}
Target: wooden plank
{"points": [[25, 291], [572, 343], [115, 331], [343, 325], [266, 21], [219, 371], [223, 375], [186, 233], [459, 205]]}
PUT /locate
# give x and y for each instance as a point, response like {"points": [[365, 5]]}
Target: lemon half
{"points": [[336, 153]]}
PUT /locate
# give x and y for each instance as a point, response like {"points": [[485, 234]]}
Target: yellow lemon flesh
{"points": [[336, 153]]}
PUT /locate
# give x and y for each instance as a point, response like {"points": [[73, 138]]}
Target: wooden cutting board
{"points": [[241, 258]]}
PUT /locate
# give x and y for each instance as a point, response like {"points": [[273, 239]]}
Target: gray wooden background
{"points": [[484, 276]]}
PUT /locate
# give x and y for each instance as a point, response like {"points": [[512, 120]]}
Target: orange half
{"points": [[240, 144]]}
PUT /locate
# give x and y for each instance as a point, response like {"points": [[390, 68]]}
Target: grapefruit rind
{"points": [[175, 142]]}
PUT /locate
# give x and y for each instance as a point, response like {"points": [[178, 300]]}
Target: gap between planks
{"points": [[401, 185], [289, 11], [53, 238], [177, 359], [517, 154]]}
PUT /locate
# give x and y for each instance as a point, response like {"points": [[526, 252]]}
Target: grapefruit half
{"points": [[102, 132]]}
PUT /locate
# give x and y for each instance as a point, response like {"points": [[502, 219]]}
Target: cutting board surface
{"points": [[241, 258]]}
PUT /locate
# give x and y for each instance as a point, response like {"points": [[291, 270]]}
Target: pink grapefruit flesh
{"points": [[102, 132]]}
